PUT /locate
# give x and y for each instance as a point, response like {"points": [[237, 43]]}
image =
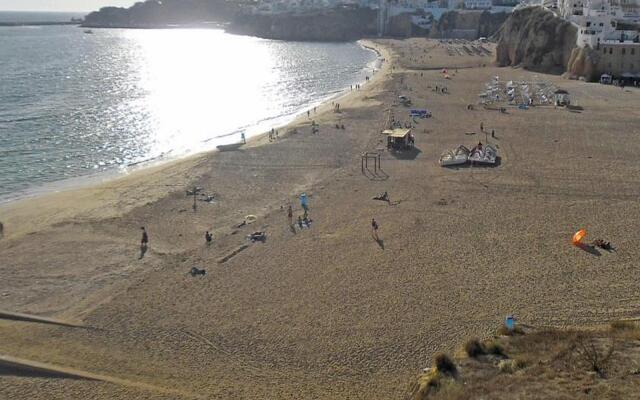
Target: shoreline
{"points": [[104, 177], [63, 191], [329, 310]]}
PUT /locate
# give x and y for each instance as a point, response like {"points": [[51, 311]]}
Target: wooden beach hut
{"points": [[398, 139]]}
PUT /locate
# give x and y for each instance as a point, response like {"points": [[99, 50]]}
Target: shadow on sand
{"points": [[143, 250], [471, 165], [589, 249], [378, 175], [410, 154], [231, 147]]}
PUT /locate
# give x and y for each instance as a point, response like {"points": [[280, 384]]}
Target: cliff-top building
{"points": [[611, 28]]}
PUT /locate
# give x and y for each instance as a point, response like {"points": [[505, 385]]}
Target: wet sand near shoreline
{"points": [[327, 312]]}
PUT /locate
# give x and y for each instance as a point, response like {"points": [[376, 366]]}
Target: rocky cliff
{"points": [[467, 24], [336, 25], [536, 39], [582, 63], [151, 13]]}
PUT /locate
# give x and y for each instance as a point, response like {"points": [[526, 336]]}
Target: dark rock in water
{"points": [[536, 39]]}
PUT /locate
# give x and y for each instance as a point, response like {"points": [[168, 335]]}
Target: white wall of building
{"points": [[477, 4]]}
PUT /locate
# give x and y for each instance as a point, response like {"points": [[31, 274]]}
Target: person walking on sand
{"points": [[208, 238], [145, 237], [481, 127], [493, 133], [144, 242], [290, 215], [374, 229]]}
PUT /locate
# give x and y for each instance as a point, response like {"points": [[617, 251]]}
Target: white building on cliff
{"points": [[600, 21]]}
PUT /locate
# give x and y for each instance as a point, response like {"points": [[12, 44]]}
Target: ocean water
{"points": [[74, 104], [36, 16]]}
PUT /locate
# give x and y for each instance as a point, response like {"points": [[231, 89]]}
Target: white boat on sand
{"points": [[483, 154], [457, 156]]}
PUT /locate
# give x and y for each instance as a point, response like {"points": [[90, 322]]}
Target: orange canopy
{"points": [[578, 236]]}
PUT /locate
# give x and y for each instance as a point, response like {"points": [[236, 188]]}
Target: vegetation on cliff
{"points": [[542, 364]]}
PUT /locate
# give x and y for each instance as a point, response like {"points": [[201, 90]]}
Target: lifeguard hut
{"points": [[398, 139], [562, 98]]}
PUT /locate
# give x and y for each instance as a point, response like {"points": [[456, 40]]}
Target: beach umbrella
{"points": [[578, 236]]}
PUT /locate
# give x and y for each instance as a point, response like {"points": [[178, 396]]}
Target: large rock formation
{"points": [[536, 39], [336, 25], [582, 63], [467, 24], [154, 13]]}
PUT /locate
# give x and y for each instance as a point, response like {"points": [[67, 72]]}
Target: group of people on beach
{"points": [[441, 89], [144, 241], [303, 221], [315, 110], [273, 135], [358, 86]]}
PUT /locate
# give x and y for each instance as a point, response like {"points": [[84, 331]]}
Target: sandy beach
{"points": [[327, 312]]}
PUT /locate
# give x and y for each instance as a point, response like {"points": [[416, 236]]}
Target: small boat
{"points": [[88, 31], [486, 154], [230, 147], [404, 100], [457, 156]]}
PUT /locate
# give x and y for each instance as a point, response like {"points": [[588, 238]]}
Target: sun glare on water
{"points": [[200, 86]]}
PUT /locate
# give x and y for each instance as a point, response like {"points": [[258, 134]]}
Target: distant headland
{"points": [[326, 20]]}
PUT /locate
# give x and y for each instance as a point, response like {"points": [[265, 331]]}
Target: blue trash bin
{"points": [[510, 323]]}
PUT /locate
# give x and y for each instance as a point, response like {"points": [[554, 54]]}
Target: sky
{"points": [[60, 5]]}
